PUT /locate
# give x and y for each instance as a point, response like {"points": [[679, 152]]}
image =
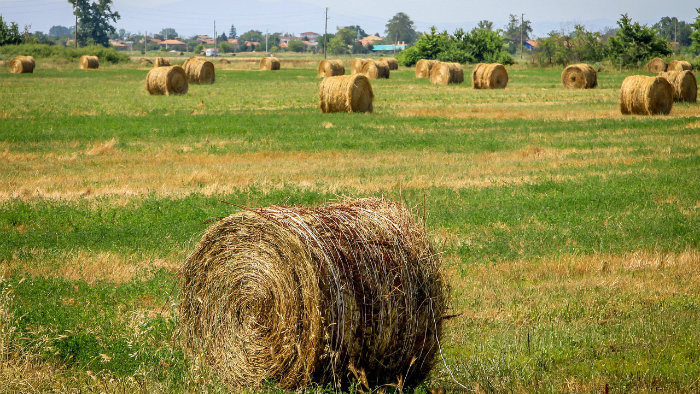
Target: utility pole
{"points": [[215, 37], [75, 33], [522, 19], [325, 36], [267, 34], [145, 41], [675, 29]]}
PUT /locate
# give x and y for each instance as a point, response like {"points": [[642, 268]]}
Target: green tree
{"points": [[9, 34], [337, 46], [635, 44], [296, 46], [94, 20], [485, 24], [226, 47], [232, 32], [585, 45], [671, 29], [360, 32], [428, 46], [401, 28], [60, 31], [695, 36], [512, 32], [169, 33], [553, 49], [252, 35]]}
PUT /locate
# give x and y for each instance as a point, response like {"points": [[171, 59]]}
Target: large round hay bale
{"points": [[297, 296], [374, 69], [579, 76], [423, 68], [357, 65], [269, 63], [644, 95], [89, 62], [489, 76], [330, 68], [679, 65], [685, 86], [446, 73], [161, 62], [346, 93], [392, 62], [199, 70], [657, 65], [168, 80], [22, 65]]}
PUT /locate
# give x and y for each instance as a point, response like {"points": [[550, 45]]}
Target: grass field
{"points": [[571, 233]]}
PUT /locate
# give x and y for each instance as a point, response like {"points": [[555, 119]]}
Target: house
{"points": [[233, 41], [388, 48], [371, 39], [285, 40], [173, 44], [118, 44], [530, 44], [310, 36]]}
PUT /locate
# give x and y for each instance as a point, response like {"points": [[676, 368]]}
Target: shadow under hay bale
{"points": [[423, 68], [330, 68], [685, 86], [679, 65], [89, 62], [375, 69], [161, 62], [269, 63], [346, 93], [446, 73], [489, 76], [199, 70], [22, 65], [657, 65], [298, 295], [579, 76], [357, 65], [392, 62], [167, 80], [644, 95]]}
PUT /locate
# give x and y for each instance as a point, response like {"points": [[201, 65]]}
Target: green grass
{"points": [[572, 256]]}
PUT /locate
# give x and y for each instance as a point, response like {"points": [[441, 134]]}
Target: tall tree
{"points": [[360, 31], [671, 29], [695, 36], [401, 28], [485, 24], [60, 31], [94, 20], [169, 33], [9, 34], [252, 35], [232, 32], [634, 44], [513, 29]]}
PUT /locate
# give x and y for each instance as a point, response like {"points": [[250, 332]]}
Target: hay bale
{"points": [[298, 295], [423, 68], [330, 68], [22, 65], [374, 69], [657, 65], [269, 63], [357, 65], [446, 73], [579, 76], [144, 60], [489, 76], [168, 80], [392, 62], [89, 62], [199, 70], [644, 95], [161, 62], [223, 60], [679, 65], [685, 86], [346, 93]]}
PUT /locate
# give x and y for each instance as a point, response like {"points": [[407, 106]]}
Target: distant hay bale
{"points": [[679, 65], [199, 70], [330, 68], [644, 95], [303, 296], [685, 86], [346, 93], [357, 65], [579, 76], [89, 62], [22, 65], [392, 62], [269, 63], [446, 73], [657, 65], [168, 80], [489, 76], [161, 62], [375, 69], [223, 60], [423, 68], [144, 60]]}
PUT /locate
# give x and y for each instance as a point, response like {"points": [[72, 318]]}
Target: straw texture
{"points": [[657, 65], [489, 76], [446, 73], [269, 63], [685, 86], [346, 93], [679, 65], [644, 95], [330, 68], [199, 70], [161, 62], [423, 68], [22, 65], [579, 76], [168, 80], [89, 62]]}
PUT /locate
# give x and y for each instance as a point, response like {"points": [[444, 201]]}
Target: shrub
{"points": [[43, 51]]}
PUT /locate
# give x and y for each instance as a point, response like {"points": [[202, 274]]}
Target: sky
{"points": [[190, 17]]}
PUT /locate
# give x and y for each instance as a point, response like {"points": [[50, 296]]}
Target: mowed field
{"points": [[570, 233]]}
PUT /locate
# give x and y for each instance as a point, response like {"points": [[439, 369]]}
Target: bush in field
{"points": [[635, 44], [43, 51], [429, 46]]}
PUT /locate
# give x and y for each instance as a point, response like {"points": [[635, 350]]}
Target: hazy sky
{"points": [[189, 17]]}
